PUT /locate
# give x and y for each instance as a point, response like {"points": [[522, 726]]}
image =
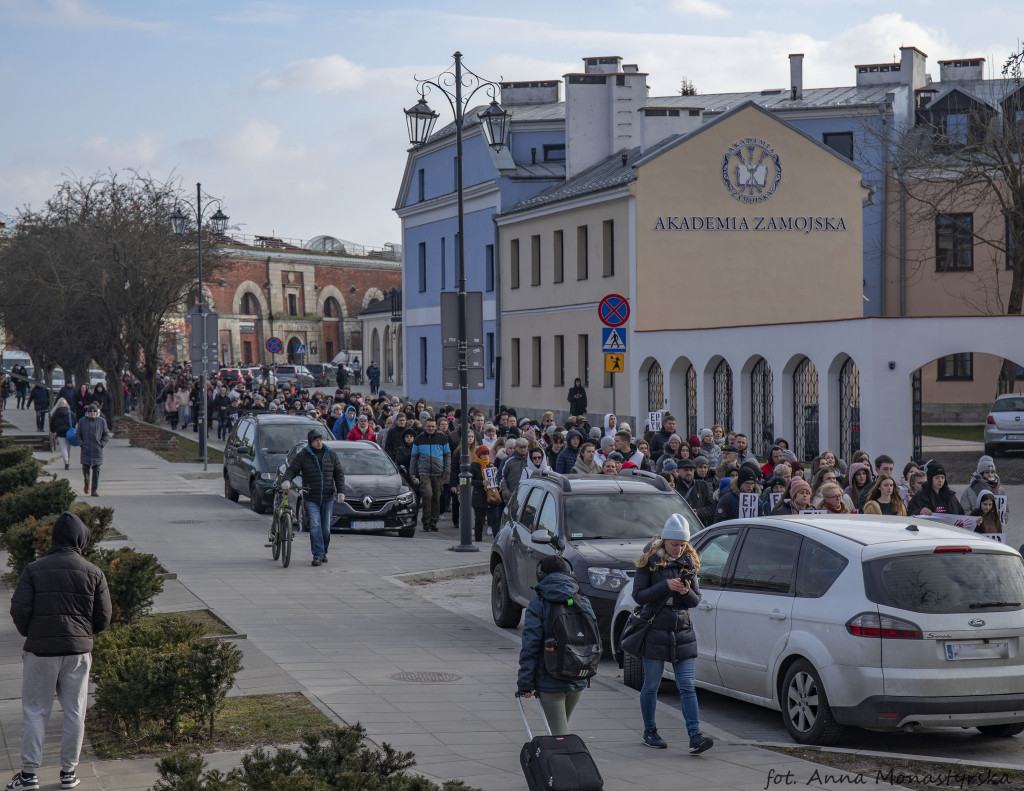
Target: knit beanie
{"points": [[986, 463], [675, 529], [796, 484]]}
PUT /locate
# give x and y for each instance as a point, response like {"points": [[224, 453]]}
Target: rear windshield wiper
{"points": [[977, 604]]}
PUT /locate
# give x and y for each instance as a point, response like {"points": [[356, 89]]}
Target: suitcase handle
{"points": [[529, 733]]}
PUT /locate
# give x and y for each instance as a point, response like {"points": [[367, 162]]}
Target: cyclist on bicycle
{"points": [[324, 480]]}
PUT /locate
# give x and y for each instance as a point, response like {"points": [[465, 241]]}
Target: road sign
{"points": [[613, 310], [614, 363], [450, 357], [613, 339], [450, 318], [300, 349], [274, 345], [474, 379], [195, 340]]}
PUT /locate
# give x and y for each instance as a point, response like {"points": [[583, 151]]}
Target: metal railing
{"points": [[334, 247]]}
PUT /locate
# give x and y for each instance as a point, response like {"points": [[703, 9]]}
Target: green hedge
{"points": [[12, 455], [22, 474], [30, 538], [39, 499], [134, 580]]}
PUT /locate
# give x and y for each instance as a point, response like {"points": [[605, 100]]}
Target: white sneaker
{"points": [[20, 781], [69, 779]]}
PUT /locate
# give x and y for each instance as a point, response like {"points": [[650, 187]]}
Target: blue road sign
{"points": [[613, 339]]}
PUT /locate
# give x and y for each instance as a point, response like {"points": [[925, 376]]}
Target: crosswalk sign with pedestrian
{"points": [[613, 339]]}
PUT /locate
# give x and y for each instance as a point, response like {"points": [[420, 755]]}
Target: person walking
{"points": [[935, 497], [373, 375], [324, 479], [61, 422], [39, 397], [486, 499], [20, 375], [983, 480], [577, 398], [431, 460], [666, 586], [93, 435], [60, 602], [555, 584]]}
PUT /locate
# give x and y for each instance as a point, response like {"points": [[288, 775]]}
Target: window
{"points": [[534, 260], [766, 561], [421, 184], [529, 516], [583, 350], [423, 360], [423, 265], [513, 264], [714, 559], [293, 305], [819, 567], [956, 368], [956, 129], [581, 252], [840, 142], [490, 355], [489, 268], [536, 361], [608, 248], [443, 256], [514, 363], [247, 352], [558, 256], [559, 360], [548, 519], [954, 242], [554, 152]]}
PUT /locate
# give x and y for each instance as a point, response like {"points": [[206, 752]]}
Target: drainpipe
{"points": [[903, 243], [885, 210], [497, 314]]}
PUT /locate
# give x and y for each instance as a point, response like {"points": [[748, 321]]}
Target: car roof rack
{"points": [[648, 477], [556, 477]]}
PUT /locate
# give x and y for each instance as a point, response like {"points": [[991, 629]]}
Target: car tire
{"points": [[1002, 731], [805, 709], [255, 501], [407, 532], [505, 612], [229, 492], [632, 671]]}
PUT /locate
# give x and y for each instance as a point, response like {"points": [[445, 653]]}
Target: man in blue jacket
{"points": [[324, 479], [430, 469]]}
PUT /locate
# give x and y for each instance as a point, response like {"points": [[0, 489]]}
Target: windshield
{"points": [[616, 515], [279, 439], [948, 582], [1009, 405], [365, 461]]}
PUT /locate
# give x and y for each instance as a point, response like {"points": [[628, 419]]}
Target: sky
{"points": [[290, 112]]}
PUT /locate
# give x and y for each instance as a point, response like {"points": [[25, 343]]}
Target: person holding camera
{"points": [[324, 479], [666, 586]]}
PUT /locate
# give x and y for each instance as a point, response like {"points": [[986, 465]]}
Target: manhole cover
{"points": [[424, 678], [187, 522]]}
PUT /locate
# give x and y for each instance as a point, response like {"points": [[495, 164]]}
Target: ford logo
{"points": [[975, 622]]}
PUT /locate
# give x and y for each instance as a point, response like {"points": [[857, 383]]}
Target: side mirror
{"points": [[540, 537], [402, 469]]}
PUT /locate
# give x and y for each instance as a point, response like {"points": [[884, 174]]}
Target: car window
{"points": [[365, 461], [548, 519], [245, 434], [766, 561], [714, 559], [1009, 405], [518, 498], [819, 568], [279, 438], [623, 515], [529, 515]]}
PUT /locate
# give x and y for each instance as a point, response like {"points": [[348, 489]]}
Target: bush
{"points": [[12, 455], [30, 539], [134, 581], [40, 499], [22, 474]]}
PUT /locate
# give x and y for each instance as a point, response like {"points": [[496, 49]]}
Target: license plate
{"points": [[367, 524], [977, 649], [1015, 436]]}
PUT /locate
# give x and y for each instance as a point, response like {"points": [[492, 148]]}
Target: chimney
{"points": [[964, 69], [530, 92], [913, 63], [796, 77]]}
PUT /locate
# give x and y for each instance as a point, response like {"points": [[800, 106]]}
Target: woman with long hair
{"points": [[61, 422], [666, 586], [884, 498], [986, 509]]}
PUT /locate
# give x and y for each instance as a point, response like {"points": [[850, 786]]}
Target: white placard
{"points": [[955, 520], [773, 499], [1001, 508], [748, 505], [654, 419], [490, 477], [813, 511]]}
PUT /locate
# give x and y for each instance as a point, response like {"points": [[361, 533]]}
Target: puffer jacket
{"points": [[431, 455], [532, 676], [321, 473], [671, 637], [567, 456], [978, 485], [62, 599], [61, 421], [942, 502]]}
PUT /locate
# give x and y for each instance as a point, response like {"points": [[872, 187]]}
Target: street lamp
{"points": [[494, 122], [218, 224]]}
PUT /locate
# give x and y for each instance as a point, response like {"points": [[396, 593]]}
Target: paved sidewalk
{"points": [[342, 632]]}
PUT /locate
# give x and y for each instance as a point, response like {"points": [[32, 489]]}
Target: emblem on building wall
{"points": [[751, 170]]}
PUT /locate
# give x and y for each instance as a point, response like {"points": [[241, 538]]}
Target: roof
{"points": [[521, 113], [380, 307]]}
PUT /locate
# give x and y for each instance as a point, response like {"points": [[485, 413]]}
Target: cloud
{"points": [[330, 74], [143, 150], [264, 12], [698, 8], [75, 14]]}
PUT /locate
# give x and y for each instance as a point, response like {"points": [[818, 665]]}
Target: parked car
{"points": [[1004, 426], [377, 499], [599, 524], [96, 376], [884, 623], [256, 447], [299, 373], [230, 376], [57, 379], [324, 374]]}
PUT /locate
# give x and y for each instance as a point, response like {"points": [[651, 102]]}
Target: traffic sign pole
{"points": [[613, 311]]}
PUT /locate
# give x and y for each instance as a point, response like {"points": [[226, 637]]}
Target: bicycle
{"points": [[282, 526]]}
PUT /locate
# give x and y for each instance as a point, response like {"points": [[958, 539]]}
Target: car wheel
{"points": [[407, 532], [632, 671], [805, 708], [506, 613], [1010, 729], [230, 493], [255, 501]]}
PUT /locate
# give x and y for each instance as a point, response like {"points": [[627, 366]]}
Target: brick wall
{"points": [[145, 435]]}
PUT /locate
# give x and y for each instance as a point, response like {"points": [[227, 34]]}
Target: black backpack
{"points": [[572, 642]]}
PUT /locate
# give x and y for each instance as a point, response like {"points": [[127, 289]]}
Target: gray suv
{"points": [[600, 524]]}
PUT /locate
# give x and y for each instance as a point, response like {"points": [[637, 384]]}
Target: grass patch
{"points": [[250, 721], [885, 772], [970, 433], [212, 625], [188, 452]]}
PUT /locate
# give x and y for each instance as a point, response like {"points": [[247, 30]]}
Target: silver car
{"points": [[1004, 426], [884, 623]]}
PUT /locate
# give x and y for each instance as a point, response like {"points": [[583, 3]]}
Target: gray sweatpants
{"points": [[68, 676]]}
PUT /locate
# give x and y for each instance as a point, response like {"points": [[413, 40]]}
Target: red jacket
{"points": [[356, 434]]}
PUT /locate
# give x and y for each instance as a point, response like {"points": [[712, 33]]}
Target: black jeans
{"points": [[95, 470], [40, 419]]}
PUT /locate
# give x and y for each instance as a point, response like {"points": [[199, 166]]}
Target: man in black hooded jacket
{"points": [[935, 497], [61, 601]]}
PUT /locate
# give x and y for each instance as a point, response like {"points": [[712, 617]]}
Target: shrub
{"points": [[22, 474], [40, 499], [30, 539], [134, 581], [12, 455]]}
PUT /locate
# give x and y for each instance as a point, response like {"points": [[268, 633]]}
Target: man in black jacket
{"points": [[40, 398], [697, 493], [322, 475], [61, 601], [936, 497]]}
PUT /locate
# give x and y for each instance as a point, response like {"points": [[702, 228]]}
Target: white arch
{"points": [[249, 287], [327, 292], [372, 295]]}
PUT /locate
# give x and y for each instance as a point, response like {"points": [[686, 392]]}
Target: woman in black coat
{"points": [[61, 421], [102, 397], [577, 398], [666, 585]]}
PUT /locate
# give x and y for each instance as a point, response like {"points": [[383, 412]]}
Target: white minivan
{"points": [[885, 623]]}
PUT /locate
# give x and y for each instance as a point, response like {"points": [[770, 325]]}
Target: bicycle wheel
{"points": [[275, 537], [286, 540]]}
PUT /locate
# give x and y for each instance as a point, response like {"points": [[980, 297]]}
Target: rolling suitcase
{"points": [[557, 763]]}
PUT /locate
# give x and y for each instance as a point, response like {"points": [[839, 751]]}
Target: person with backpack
{"points": [[550, 657], [665, 586]]}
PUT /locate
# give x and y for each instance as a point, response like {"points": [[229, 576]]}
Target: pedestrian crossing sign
{"points": [[613, 363], [613, 339]]}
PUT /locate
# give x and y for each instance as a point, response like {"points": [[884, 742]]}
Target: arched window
{"points": [[655, 387], [389, 358], [805, 410], [723, 395], [761, 408], [250, 305], [849, 409], [332, 309]]}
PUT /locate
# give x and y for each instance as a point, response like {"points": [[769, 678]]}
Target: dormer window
{"points": [[956, 129]]}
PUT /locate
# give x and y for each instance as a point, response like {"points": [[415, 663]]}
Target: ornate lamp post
{"points": [[494, 122], [218, 223]]}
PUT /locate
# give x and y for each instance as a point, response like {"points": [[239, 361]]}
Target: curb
{"points": [[878, 754], [433, 575]]}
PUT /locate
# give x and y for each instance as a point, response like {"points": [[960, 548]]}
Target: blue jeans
{"points": [[684, 683], [318, 519]]}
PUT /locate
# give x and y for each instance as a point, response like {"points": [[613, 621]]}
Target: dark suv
{"points": [[599, 523], [324, 374], [258, 444]]}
